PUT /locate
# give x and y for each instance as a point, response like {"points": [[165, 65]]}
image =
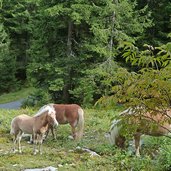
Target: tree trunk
{"points": [[67, 80]]}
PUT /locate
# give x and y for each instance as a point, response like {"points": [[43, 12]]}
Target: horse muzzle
{"points": [[55, 124]]}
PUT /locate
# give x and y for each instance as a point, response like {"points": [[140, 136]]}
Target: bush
{"points": [[163, 160], [38, 98]]}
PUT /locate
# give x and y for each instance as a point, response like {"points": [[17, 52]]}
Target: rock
{"points": [[50, 168], [92, 153]]}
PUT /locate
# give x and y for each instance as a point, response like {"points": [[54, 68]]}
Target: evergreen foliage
{"points": [[160, 13], [7, 63], [79, 38], [71, 50], [15, 16]]}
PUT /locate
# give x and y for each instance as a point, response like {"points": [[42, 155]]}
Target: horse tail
{"points": [[80, 124], [114, 132], [12, 131]]}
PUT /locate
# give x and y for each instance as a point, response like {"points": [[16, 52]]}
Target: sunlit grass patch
{"points": [[9, 97]]}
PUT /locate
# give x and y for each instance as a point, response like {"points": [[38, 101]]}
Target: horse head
{"points": [[52, 116]]}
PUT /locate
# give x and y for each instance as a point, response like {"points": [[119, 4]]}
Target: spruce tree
{"points": [[7, 64]]}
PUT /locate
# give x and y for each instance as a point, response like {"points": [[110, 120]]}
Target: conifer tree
{"points": [[7, 64], [71, 39]]}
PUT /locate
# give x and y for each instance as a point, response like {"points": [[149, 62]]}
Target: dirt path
{"points": [[12, 105]]}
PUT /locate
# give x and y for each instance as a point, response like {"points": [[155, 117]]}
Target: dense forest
{"points": [[79, 51]]}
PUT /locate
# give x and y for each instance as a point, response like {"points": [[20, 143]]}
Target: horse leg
{"points": [[19, 136], [73, 132], [47, 133], [31, 139], [34, 143], [53, 133], [137, 144], [40, 140], [15, 134], [14, 143]]}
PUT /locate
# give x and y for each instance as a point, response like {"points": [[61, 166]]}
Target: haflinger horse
{"points": [[36, 126], [153, 123], [71, 114]]}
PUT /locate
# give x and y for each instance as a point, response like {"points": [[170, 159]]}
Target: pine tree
{"points": [[71, 40], [7, 64]]}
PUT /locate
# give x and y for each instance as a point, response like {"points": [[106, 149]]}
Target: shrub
{"points": [[37, 98]]}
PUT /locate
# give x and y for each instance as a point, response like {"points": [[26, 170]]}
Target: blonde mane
{"points": [[44, 109]]}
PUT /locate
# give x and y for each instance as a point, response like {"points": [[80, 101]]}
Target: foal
{"points": [[36, 126]]}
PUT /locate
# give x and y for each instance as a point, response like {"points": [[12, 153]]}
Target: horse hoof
{"points": [[71, 137], [138, 155], [30, 142], [14, 151]]}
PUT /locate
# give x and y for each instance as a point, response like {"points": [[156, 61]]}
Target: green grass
{"points": [[62, 153], [23, 93]]}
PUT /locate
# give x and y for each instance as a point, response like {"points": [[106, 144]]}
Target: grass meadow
{"points": [[64, 155], [17, 95]]}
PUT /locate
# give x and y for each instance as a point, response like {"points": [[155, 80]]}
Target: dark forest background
{"points": [[77, 51]]}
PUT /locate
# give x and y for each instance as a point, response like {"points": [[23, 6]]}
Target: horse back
{"points": [[66, 113], [22, 122], [157, 123]]}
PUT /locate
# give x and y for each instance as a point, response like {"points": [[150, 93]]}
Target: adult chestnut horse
{"points": [[154, 123], [36, 126], [71, 114]]}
